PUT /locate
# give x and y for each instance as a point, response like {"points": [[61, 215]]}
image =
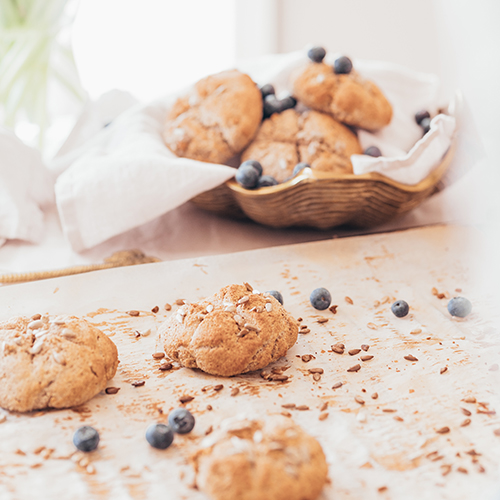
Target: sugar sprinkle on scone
{"points": [[271, 459], [349, 98], [234, 331], [53, 362], [216, 120], [288, 138]]}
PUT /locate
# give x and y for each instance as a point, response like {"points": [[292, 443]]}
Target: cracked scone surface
{"points": [[53, 362], [288, 138], [348, 98], [234, 331], [271, 459], [216, 120]]}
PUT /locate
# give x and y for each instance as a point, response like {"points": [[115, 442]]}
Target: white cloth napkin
{"points": [[126, 176], [25, 187]]}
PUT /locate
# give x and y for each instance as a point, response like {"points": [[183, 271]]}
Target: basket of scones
{"points": [[328, 142]]}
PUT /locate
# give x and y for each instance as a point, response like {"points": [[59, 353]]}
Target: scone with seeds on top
{"points": [[53, 362], [234, 331]]}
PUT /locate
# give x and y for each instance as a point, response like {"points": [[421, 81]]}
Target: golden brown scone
{"points": [[234, 331], [288, 138], [53, 362], [271, 459], [216, 120], [348, 98]]}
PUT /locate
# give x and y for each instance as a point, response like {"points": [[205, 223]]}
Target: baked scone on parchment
{"points": [[349, 98], [269, 459], [53, 362], [288, 138], [216, 120], [234, 331]]}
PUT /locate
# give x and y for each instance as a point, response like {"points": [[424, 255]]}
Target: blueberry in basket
{"points": [[266, 90], [86, 438], [342, 65], [316, 54], [426, 125], [320, 298], [274, 105], [255, 164], [299, 167], [159, 436], [400, 308], [181, 421], [248, 174], [266, 181], [373, 151], [460, 307], [420, 115], [277, 295]]}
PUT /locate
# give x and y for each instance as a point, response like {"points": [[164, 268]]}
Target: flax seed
{"points": [[279, 378], [354, 368], [209, 431], [359, 400], [365, 347], [410, 357], [333, 309], [466, 422], [324, 406], [316, 377], [353, 352], [374, 395], [302, 408], [167, 307], [466, 412], [445, 469], [179, 302], [348, 300], [304, 331], [389, 410], [218, 387], [306, 358], [289, 406], [469, 399], [366, 358], [462, 470], [337, 385], [443, 370], [323, 416], [209, 408], [286, 413], [186, 399], [316, 370], [322, 320], [416, 331], [234, 391], [337, 350], [434, 291], [248, 286], [158, 355], [299, 320], [112, 390], [155, 309], [398, 418], [133, 313], [138, 383], [443, 430], [165, 366]]}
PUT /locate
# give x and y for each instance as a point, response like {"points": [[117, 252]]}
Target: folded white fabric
{"points": [[25, 186], [126, 176]]}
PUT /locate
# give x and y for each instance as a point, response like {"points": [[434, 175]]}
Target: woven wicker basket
{"points": [[324, 200]]}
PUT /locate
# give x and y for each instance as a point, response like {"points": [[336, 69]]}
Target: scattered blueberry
{"points": [[266, 90], [247, 176], [287, 102], [426, 125], [159, 436], [255, 164], [277, 295], [267, 180], [342, 65], [316, 54], [400, 308], [271, 105], [181, 421], [320, 298], [459, 306], [373, 151], [86, 438], [420, 115], [299, 167]]}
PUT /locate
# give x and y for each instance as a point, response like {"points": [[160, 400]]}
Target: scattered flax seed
{"points": [[158, 355], [299, 320], [462, 470], [137, 334], [359, 400], [165, 366], [353, 352], [138, 383], [133, 313], [155, 309], [209, 408], [337, 349], [443, 430], [365, 347], [354, 368], [382, 489], [316, 370], [146, 333], [279, 378], [416, 331], [209, 431], [337, 385], [322, 320], [389, 410], [469, 399], [304, 331], [38, 450], [286, 413], [323, 416], [372, 326], [348, 300], [431, 455], [473, 453], [3, 418], [376, 303], [324, 406], [333, 309], [443, 370], [186, 399], [289, 406], [366, 358], [466, 412], [466, 422], [480, 468], [486, 412], [306, 358], [434, 291], [496, 432], [316, 377], [218, 387], [234, 391], [248, 286], [167, 307], [445, 469], [302, 407], [112, 390], [374, 395], [410, 357], [265, 374], [179, 302], [398, 418]]}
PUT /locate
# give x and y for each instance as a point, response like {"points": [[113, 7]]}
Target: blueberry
{"points": [[373, 151], [247, 176], [267, 180], [299, 167], [342, 65], [287, 102], [316, 54], [426, 125], [320, 298], [159, 436], [459, 306], [400, 308], [420, 115], [266, 90], [255, 164], [271, 105], [86, 438], [181, 421], [277, 295]]}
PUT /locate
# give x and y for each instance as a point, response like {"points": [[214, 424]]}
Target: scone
{"points": [[234, 331], [271, 459], [53, 362], [216, 120], [348, 98], [288, 138]]}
